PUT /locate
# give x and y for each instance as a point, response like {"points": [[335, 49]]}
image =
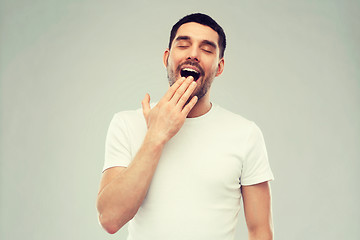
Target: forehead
{"points": [[197, 31]]}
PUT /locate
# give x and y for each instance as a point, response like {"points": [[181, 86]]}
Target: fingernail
{"points": [[190, 78]]}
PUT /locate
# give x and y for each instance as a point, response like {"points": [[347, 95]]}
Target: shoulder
{"points": [[128, 115], [128, 120], [134, 115]]}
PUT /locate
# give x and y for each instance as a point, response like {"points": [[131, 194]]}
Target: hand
{"points": [[167, 117]]}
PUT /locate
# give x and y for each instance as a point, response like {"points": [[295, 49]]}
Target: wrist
{"points": [[155, 140]]}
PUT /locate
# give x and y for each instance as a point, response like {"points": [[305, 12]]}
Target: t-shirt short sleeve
{"points": [[117, 145], [256, 167]]}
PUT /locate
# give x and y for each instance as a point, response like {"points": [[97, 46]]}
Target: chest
{"points": [[199, 163]]}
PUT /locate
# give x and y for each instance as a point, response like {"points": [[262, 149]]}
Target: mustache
{"points": [[191, 63]]}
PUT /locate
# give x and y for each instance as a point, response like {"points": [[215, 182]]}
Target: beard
{"points": [[205, 82]]}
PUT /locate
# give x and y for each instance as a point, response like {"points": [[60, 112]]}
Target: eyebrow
{"points": [[206, 42], [179, 38]]}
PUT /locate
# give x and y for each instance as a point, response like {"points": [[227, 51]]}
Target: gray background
{"points": [[68, 66]]}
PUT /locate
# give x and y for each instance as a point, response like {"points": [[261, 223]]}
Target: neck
{"points": [[201, 107]]}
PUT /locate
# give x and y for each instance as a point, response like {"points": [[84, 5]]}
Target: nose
{"points": [[193, 54]]}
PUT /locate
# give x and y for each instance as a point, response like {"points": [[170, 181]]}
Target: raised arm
{"points": [[122, 190], [257, 208]]}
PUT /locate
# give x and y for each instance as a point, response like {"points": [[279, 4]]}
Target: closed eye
{"points": [[208, 46], [207, 50], [182, 43]]}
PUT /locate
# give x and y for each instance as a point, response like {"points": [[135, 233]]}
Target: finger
{"points": [[182, 89], [189, 106], [145, 103], [169, 94], [186, 95]]}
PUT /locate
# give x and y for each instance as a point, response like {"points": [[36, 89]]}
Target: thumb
{"points": [[146, 105]]}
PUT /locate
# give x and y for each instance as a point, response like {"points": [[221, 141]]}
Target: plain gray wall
{"points": [[67, 66]]}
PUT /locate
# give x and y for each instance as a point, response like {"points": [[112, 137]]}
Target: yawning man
{"points": [[178, 170]]}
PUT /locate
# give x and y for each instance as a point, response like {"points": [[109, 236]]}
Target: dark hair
{"points": [[204, 20]]}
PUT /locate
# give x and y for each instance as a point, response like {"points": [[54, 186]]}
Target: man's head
{"points": [[196, 48], [203, 20]]}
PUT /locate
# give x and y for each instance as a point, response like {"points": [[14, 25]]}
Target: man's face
{"points": [[194, 51]]}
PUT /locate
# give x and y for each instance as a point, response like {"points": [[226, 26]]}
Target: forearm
{"points": [[120, 199], [261, 234]]}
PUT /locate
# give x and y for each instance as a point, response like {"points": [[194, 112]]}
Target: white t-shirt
{"points": [[195, 192]]}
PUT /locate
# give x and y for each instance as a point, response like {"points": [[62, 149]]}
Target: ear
{"points": [[166, 57], [220, 67]]}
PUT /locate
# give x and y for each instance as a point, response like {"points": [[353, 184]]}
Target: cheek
{"points": [[172, 61], [212, 67]]}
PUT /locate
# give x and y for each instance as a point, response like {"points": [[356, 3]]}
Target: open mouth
{"points": [[186, 72]]}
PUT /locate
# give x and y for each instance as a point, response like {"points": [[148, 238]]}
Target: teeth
{"points": [[190, 70], [186, 72]]}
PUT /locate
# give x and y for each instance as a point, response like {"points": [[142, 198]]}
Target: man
{"points": [[178, 169]]}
